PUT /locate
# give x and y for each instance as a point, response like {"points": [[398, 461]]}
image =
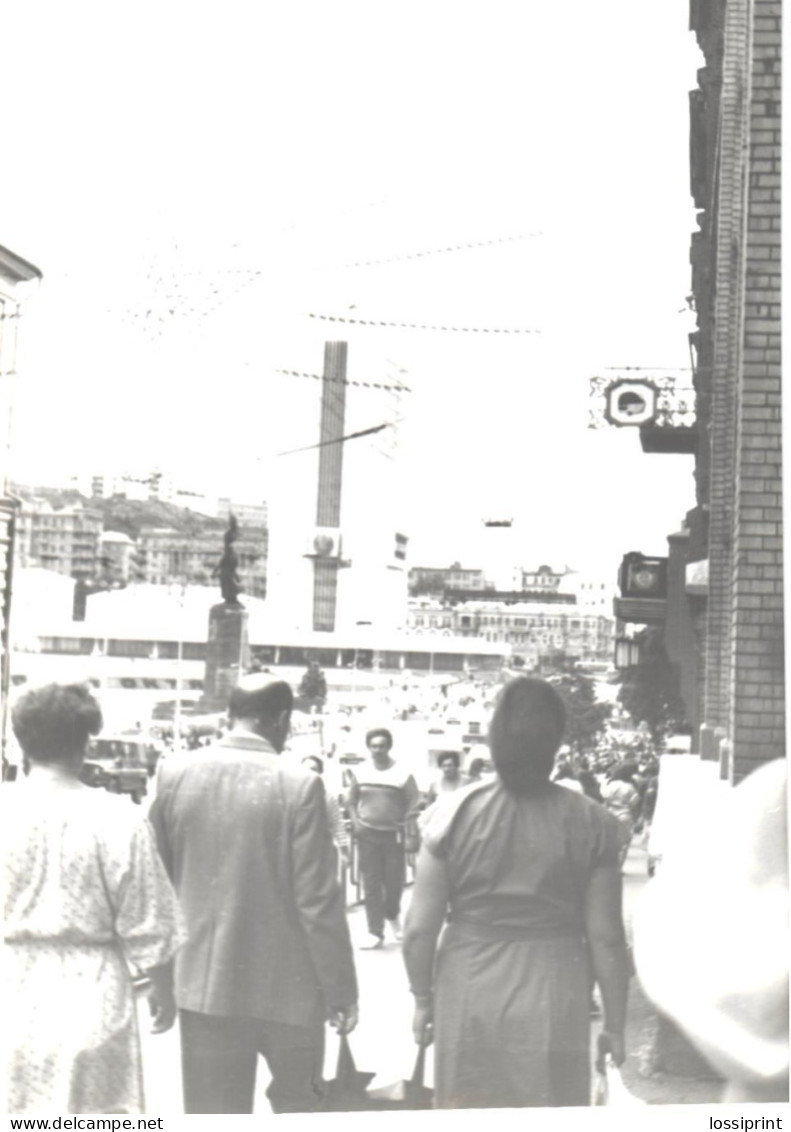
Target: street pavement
{"points": [[382, 1041]]}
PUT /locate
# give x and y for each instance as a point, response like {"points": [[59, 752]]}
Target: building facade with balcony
{"points": [[533, 630], [65, 540]]}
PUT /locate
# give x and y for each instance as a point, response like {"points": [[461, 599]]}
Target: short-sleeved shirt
{"points": [[521, 861]]}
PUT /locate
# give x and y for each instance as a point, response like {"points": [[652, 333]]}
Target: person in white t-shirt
{"points": [[381, 797]]}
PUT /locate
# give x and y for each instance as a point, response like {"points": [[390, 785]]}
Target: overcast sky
{"points": [[196, 180]]}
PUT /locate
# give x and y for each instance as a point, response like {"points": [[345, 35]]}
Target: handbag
{"points": [[609, 1089], [411, 1094], [348, 1091]]}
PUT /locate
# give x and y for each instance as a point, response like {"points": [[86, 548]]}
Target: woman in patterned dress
{"points": [[87, 903], [523, 875]]}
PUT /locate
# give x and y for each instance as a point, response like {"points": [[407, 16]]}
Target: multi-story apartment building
{"points": [[542, 580], [165, 555], [425, 580], [437, 579], [459, 578], [552, 611], [248, 514], [534, 630], [117, 557], [65, 540]]}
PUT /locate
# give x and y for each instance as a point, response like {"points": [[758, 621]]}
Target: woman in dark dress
{"points": [[526, 875]]}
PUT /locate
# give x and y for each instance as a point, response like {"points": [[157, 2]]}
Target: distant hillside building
{"points": [[542, 580], [248, 514], [143, 487], [427, 580], [541, 583], [592, 593], [437, 579], [165, 556], [117, 556], [65, 540], [110, 486]]}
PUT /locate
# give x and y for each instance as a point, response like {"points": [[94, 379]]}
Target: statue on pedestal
{"points": [[230, 585]]}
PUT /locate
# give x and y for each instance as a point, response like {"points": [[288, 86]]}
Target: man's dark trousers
{"points": [[219, 1055], [381, 857]]}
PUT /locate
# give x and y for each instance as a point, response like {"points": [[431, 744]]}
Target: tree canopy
{"points": [[651, 691], [586, 717]]}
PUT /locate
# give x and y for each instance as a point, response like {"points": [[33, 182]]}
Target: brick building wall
{"points": [[757, 698], [736, 283], [726, 212]]}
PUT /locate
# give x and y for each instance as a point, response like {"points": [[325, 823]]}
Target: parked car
{"points": [[119, 764], [165, 710]]}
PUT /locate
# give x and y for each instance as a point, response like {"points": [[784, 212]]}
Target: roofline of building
{"points": [[192, 629], [15, 271]]}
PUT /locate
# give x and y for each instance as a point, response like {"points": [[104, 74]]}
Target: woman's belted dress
{"points": [[513, 979]]}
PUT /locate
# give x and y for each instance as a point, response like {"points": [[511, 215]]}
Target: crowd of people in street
{"points": [[227, 899]]}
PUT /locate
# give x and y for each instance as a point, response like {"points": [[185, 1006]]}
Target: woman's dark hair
{"points": [[525, 733], [53, 723], [476, 765], [445, 755], [375, 732]]}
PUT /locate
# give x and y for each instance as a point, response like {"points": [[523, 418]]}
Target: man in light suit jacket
{"points": [[245, 840]]}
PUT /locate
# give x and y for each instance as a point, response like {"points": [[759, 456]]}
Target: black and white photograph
{"points": [[391, 562]]}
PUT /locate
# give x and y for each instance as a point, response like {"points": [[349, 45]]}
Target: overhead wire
{"points": [[338, 439]]}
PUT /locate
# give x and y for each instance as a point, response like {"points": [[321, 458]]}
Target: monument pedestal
{"points": [[227, 654]]}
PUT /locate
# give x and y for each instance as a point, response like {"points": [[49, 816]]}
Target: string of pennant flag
{"points": [[470, 246], [423, 325], [345, 381]]}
